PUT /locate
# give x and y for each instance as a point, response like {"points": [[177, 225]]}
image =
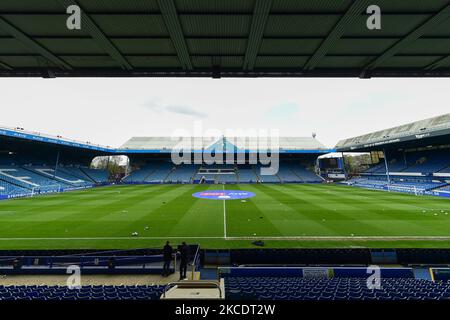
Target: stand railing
{"points": [[195, 262]]}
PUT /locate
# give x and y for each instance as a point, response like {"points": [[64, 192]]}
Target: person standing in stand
{"points": [[167, 256], [184, 260]]}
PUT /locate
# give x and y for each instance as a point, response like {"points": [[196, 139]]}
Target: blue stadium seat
{"points": [[294, 288], [85, 293]]}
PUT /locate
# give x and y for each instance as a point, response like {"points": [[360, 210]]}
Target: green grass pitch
{"points": [[282, 215]]}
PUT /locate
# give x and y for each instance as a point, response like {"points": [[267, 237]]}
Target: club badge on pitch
{"points": [[224, 194]]}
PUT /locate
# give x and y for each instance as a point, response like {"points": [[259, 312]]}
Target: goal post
{"points": [[405, 189], [54, 188], [33, 191]]}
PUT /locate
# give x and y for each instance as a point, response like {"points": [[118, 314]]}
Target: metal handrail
{"points": [[194, 261], [215, 283]]}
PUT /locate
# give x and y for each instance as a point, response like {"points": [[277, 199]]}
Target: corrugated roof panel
{"points": [[344, 62], [310, 5], [202, 61], [11, 45], [31, 6], [217, 46], [280, 62], [411, 5], [144, 46], [409, 62], [446, 64], [216, 25], [26, 61], [362, 46], [232, 62], [90, 61], [224, 62], [119, 5], [215, 6], [154, 61], [443, 30], [391, 25], [43, 25], [428, 46], [135, 25], [289, 46], [71, 46], [216, 33], [300, 25]]}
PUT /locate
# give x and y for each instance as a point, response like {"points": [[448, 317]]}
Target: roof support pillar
{"points": [[355, 10], [170, 16], [431, 23], [33, 45], [88, 24], [259, 20]]}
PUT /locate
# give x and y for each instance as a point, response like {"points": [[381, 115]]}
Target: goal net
{"points": [[45, 189], [405, 189]]}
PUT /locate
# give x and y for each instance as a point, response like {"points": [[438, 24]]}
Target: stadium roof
{"points": [[143, 145], [224, 144], [38, 137], [16, 141], [223, 38], [435, 129]]}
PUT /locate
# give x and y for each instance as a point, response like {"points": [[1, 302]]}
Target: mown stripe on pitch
{"points": [[150, 195], [189, 223], [292, 202], [58, 217], [393, 218], [237, 216], [168, 214]]}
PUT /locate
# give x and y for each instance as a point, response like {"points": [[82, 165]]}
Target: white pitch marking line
{"points": [[110, 238], [286, 238], [340, 238], [224, 218]]}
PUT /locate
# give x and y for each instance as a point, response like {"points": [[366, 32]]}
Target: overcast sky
{"points": [[110, 111]]}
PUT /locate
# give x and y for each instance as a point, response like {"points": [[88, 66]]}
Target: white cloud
{"points": [[177, 109], [284, 111]]}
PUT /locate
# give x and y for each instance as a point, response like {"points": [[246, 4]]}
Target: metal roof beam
{"points": [[222, 37], [216, 13], [259, 19], [5, 66], [212, 55], [438, 63], [431, 23], [353, 12], [32, 45], [228, 72], [97, 34], [170, 16]]}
